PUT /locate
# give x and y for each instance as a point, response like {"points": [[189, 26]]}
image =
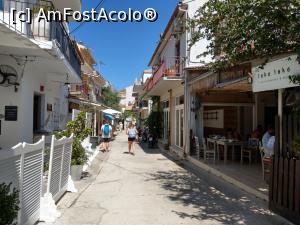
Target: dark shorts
{"points": [[106, 140], [131, 139]]}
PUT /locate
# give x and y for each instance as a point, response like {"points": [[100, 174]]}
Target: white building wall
{"points": [[13, 132], [168, 53], [200, 46], [128, 99]]}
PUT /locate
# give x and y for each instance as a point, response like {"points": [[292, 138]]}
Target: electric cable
{"points": [[82, 23]]}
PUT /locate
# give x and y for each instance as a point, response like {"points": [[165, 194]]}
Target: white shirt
{"points": [[266, 139], [102, 131], [269, 149]]}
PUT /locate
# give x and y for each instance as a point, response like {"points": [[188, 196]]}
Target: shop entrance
{"points": [[37, 113]]}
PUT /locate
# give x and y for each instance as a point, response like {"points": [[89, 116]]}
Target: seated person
{"points": [[236, 135], [268, 141], [269, 149], [257, 133], [229, 133]]}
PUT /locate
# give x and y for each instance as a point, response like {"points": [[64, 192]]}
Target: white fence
{"points": [[23, 166], [59, 166]]}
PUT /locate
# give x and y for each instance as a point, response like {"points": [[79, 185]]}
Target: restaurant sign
{"points": [[275, 75]]}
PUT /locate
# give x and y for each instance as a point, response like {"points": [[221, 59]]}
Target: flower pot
{"points": [[76, 172]]}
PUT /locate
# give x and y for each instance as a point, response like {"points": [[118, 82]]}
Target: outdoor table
{"points": [[228, 143]]}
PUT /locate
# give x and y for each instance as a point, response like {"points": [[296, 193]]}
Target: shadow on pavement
{"points": [[209, 202], [147, 150]]}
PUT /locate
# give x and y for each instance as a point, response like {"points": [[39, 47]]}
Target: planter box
{"points": [[76, 172]]}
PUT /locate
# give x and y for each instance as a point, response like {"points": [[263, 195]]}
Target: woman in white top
{"points": [[131, 132]]}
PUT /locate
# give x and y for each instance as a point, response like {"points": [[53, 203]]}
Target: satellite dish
{"points": [[8, 76]]}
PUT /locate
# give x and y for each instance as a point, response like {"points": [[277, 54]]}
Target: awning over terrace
{"points": [[84, 102], [233, 80]]}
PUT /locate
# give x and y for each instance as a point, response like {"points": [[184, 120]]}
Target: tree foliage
{"points": [[9, 204], [111, 98], [154, 122], [241, 30], [80, 131], [127, 114]]}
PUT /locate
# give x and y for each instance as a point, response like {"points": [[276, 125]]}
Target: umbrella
{"points": [[108, 117]]}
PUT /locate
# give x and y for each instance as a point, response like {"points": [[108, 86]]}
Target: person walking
{"points": [[131, 132], [106, 133]]}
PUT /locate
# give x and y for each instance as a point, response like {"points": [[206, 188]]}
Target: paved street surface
{"points": [[149, 188]]}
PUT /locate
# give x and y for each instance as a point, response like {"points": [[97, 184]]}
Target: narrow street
{"points": [[149, 188]]}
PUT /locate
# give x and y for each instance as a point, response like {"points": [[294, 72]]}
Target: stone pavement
{"points": [[151, 189]]}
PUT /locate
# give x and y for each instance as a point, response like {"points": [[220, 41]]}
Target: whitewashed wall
{"points": [[21, 130], [201, 45]]}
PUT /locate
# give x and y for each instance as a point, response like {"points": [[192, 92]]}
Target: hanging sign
{"points": [[275, 75]]}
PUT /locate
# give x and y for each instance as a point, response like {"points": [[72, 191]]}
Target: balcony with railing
{"points": [[38, 29], [169, 68]]}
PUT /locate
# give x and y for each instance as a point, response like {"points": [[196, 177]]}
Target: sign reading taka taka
{"points": [[275, 75]]}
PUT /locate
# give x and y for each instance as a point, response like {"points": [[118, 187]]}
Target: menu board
{"points": [[11, 113]]}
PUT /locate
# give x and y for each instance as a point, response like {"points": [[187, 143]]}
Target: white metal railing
{"points": [[59, 166], [23, 167]]}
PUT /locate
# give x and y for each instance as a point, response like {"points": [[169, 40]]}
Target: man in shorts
{"points": [[106, 133]]}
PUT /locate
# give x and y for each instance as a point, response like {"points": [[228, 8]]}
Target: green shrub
{"points": [[154, 122], [9, 204], [80, 131], [296, 146], [79, 156]]}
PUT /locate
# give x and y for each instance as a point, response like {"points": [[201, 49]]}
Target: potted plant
{"points": [[80, 131], [9, 204]]}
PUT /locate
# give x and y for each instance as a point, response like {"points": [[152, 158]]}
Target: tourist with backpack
{"points": [[106, 132], [132, 133]]}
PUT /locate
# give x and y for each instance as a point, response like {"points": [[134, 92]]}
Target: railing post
{"points": [[50, 163], [21, 187]]}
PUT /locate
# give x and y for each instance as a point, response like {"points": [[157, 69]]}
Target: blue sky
{"points": [[125, 48]]}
